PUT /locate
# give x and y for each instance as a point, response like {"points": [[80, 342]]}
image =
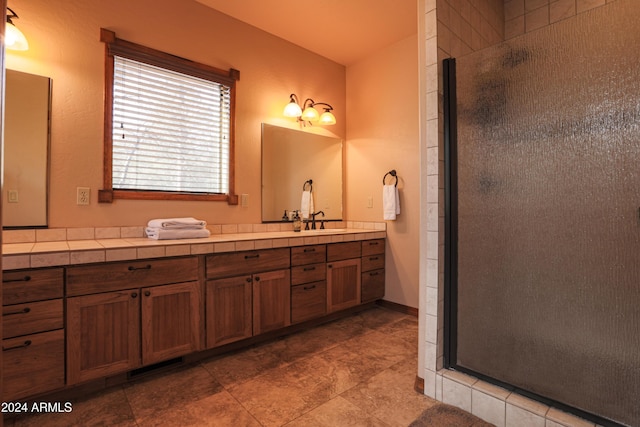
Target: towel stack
{"points": [[176, 228]]}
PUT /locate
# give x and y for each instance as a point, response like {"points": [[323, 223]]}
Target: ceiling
{"points": [[344, 31]]}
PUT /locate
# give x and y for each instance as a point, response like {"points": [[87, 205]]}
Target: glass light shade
{"points": [[310, 114], [327, 118], [14, 39], [292, 110]]}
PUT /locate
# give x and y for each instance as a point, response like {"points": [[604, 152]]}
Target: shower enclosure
{"points": [[544, 235]]}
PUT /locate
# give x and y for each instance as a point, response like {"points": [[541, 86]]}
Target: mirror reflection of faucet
{"points": [[313, 221]]}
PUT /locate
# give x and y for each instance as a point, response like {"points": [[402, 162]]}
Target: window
{"points": [[168, 126]]}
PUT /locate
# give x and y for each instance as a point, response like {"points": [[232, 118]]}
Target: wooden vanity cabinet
{"points": [[308, 282], [33, 332], [246, 293], [343, 275], [372, 270], [123, 315], [228, 310]]}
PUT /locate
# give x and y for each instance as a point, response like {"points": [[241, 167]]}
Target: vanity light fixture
{"points": [[13, 37], [307, 113]]}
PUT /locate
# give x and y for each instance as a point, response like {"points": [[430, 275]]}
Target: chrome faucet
{"points": [[313, 219]]}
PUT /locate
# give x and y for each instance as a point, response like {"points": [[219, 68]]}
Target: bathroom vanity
{"points": [[73, 316]]}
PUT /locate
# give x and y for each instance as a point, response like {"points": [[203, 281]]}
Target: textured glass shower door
{"points": [[548, 220]]}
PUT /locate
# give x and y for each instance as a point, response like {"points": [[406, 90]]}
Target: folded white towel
{"points": [[306, 205], [164, 234], [390, 202], [177, 223]]}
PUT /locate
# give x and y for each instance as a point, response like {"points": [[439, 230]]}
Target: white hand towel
{"points": [[166, 234], [306, 205], [177, 223], [390, 202]]}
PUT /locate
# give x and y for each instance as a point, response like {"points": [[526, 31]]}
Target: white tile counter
{"points": [[59, 247]]}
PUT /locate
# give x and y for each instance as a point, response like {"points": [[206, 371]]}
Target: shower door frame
{"points": [[451, 253]]}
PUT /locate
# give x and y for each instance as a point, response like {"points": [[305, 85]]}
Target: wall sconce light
{"points": [[13, 37], [307, 113]]}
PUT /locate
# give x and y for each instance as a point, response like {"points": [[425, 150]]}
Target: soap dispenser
{"points": [[285, 217], [297, 222]]}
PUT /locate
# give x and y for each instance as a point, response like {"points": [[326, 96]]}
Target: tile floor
{"points": [[357, 371]]}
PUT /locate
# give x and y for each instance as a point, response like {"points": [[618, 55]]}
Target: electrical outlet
{"points": [[83, 195], [13, 196], [244, 200], [370, 202]]}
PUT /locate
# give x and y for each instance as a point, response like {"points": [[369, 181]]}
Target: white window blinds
{"points": [[171, 131]]}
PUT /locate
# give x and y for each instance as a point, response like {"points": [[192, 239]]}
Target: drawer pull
{"points": [[308, 288], [257, 278], [23, 311], [309, 250], [134, 294], [253, 256], [146, 267], [23, 279], [373, 243], [374, 273], [308, 269], [147, 293], [26, 344], [373, 258]]}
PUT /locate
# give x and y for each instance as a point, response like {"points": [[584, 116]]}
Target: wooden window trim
{"points": [[123, 48]]}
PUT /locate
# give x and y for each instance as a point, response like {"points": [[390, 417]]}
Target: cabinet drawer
{"points": [[372, 262], [372, 247], [247, 262], [32, 285], [340, 251], [33, 317], [32, 364], [90, 279], [308, 273], [308, 301], [372, 285], [301, 255]]}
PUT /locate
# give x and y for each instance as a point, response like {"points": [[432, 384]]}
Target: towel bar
{"points": [[393, 173], [304, 186]]}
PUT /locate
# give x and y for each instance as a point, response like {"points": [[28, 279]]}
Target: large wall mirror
{"points": [[289, 159], [26, 150]]}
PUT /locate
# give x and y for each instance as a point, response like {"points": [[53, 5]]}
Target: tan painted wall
{"points": [[383, 134], [65, 45]]}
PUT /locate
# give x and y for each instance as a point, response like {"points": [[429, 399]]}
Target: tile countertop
{"points": [[68, 252]]}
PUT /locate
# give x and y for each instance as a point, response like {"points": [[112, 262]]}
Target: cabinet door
{"points": [[32, 364], [103, 335], [170, 321], [372, 285], [308, 301], [271, 301], [343, 284], [228, 310]]}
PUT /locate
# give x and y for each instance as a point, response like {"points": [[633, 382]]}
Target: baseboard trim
{"points": [[398, 307]]}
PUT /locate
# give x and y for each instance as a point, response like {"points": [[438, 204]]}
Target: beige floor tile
{"points": [[109, 408], [337, 412], [219, 410], [389, 396], [160, 395]]}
